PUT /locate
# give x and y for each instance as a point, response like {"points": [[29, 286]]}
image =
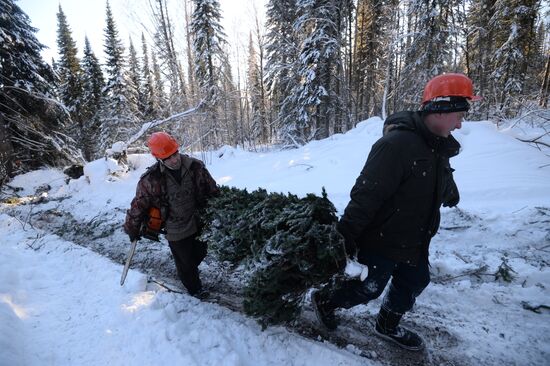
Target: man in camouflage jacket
{"points": [[179, 186]]}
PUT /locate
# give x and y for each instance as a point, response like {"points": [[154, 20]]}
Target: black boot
{"points": [[323, 311], [387, 327], [202, 294]]}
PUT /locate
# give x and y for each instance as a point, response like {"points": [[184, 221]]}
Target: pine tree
{"points": [[258, 123], [69, 72], [282, 55], [480, 48], [432, 49], [93, 84], [167, 55], [160, 99], [286, 245], [209, 39], [30, 120], [318, 106], [134, 75], [229, 106], [149, 96], [119, 111], [514, 22], [208, 42], [191, 82], [373, 29]]}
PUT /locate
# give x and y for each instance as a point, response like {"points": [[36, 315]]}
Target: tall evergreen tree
{"points": [[69, 71], [92, 84], [160, 99], [168, 56], [282, 55], [119, 110], [229, 105], [373, 35], [480, 50], [134, 75], [149, 98], [208, 42], [514, 22], [193, 88], [258, 121], [30, 121], [435, 24], [315, 98]]}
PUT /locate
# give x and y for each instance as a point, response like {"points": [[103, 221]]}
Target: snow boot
{"points": [[323, 311], [202, 294], [387, 327]]}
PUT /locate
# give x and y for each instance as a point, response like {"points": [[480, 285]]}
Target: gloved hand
{"points": [[349, 242], [134, 236]]}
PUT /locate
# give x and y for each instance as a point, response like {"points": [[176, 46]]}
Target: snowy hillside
{"points": [[61, 303]]}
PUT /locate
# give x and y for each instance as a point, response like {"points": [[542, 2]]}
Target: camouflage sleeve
{"points": [[138, 209], [206, 185]]}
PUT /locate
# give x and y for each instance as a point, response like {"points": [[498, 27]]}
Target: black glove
{"points": [[134, 237], [349, 242]]}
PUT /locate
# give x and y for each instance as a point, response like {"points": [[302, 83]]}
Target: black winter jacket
{"points": [[395, 202]]}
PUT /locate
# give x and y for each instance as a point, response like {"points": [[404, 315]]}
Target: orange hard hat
{"points": [[449, 85], [162, 145]]}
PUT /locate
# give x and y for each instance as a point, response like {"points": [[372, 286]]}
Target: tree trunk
{"points": [[543, 98], [6, 153]]}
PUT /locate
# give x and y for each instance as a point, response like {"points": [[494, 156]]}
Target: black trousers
{"points": [[188, 253], [407, 282]]}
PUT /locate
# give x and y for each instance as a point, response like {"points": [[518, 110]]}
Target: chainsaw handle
{"points": [[128, 261]]}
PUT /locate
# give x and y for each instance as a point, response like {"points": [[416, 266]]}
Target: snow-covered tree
{"points": [[282, 46], [480, 50], [192, 86], [434, 26], [119, 110], [229, 107], [31, 121], [209, 39], [92, 85], [168, 56], [373, 38], [514, 24], [208, 43], [318, 105], [69, 71], [134, 74], [258, 120], [149, 97], [160, 100]]}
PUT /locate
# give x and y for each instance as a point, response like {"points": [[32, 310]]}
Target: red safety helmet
{"points": [[162, 145], [449, 85]]}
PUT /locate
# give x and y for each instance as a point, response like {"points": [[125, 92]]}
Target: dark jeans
{"points": [[406, 284], [188, 254]]}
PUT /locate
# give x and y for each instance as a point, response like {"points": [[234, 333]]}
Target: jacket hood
{"points": [[400, 121], [412, 121]]}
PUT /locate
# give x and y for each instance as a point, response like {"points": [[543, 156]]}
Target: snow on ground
{"points": [[61, 304]]}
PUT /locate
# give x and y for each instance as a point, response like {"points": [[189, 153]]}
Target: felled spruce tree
{"points": [[288, 244]]}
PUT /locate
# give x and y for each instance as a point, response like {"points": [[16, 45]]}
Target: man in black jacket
{"points": [[394, 208]]}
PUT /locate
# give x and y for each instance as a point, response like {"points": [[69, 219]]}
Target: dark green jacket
{"points": [[395, 202]]}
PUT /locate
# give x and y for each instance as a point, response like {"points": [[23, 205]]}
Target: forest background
{"points": [[311, 68]]}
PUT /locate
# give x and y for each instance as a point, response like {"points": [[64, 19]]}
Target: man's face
{"points": [[173, 162], [442, 124]]}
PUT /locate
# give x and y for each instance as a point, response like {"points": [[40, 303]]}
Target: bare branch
{"points": [[147, 125]]}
